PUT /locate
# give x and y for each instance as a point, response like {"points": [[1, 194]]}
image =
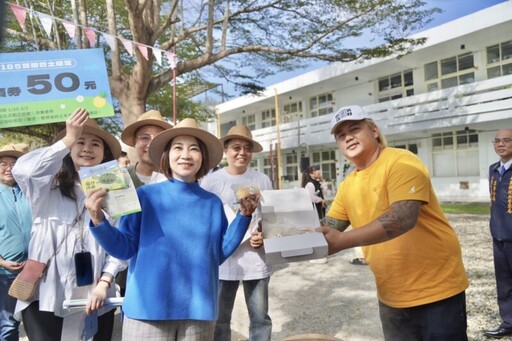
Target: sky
{"points": [[452, 9]]}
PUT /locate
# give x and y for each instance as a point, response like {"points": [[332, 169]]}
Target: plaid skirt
{"points": [[171, 330]]}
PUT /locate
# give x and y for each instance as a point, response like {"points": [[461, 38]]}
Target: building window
{"points": [[499, 60], [321, 105], [269, 168], [450, 72], [291, 167], [326, 160], [268, 118], [412, 147], [249, 121], [292, 112], [455, 153], [396, 86]]}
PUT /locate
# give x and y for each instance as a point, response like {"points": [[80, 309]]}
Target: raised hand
{"points": [[74, 126]]}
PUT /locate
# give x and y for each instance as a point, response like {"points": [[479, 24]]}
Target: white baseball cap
{"points": [[349, 113]]}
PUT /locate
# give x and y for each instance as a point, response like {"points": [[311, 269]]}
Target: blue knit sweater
{"points": [[175, 246]]}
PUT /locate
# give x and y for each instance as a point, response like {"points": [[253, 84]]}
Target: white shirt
{"points": [[246, 263], [53, 216]]}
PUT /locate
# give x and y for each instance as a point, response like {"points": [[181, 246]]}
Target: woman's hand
{"points": [[94, 203], [74, 126], [97, 297], [249, 204]]}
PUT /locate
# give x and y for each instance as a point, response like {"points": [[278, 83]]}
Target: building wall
{"points": [[482, 106]]}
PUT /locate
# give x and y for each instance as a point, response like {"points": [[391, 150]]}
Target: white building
{"points": [[444, 102]]}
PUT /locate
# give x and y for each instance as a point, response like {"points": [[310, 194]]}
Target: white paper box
{"points": [[289, 220]]}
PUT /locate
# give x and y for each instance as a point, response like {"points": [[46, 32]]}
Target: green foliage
{"points": [[240, 41]]}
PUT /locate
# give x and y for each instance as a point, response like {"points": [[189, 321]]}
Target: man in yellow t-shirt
{"points": [[408, 243]]}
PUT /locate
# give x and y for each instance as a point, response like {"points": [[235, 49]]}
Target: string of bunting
{"points": [[20, 13]]}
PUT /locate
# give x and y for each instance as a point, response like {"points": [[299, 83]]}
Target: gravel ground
{"points": [[339, 299]]}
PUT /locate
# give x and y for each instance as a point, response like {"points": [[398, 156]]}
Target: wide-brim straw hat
{"points": [[241, 131], [188, 127], [14, 150], [92, 127], [149, 118]]}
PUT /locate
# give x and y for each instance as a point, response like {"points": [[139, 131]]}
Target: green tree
{"points": [[235, 38]]}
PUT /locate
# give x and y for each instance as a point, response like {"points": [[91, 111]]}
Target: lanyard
{"points": [[79, 220]]}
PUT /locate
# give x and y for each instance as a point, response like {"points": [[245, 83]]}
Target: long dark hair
{"points": [[306, 175], [165, 167], [67, 176]]}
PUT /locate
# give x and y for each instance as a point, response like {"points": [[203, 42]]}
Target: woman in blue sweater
{"points": [[176, 243]]}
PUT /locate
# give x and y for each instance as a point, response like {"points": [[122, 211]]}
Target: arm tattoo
{"points": [[400, 218], [340, 225]]}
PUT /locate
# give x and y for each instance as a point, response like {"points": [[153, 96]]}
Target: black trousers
{"points": [[502, 251], [443, 320], [45, 326]]}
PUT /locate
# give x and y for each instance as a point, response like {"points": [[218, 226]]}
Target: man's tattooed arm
{"points": [[340, 225], [400, 218]]}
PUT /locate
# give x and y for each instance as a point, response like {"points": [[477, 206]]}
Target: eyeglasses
{"points": [[5, 165], [238, 148], [505, 140], [144, 138]]}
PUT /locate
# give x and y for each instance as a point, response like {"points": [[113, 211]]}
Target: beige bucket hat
{"points": [[149, 118], [190, 127], [92, 127], [241, 131], [14, 150]]}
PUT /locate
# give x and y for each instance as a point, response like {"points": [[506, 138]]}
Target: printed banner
{"points": [[46, 87]]}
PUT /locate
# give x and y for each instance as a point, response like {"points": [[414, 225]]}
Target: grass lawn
{"points": [[465, 208]]}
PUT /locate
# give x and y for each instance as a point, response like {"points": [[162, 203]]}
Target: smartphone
{"points": [[83, 268]]}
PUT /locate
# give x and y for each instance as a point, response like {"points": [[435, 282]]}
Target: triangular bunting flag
{"points": [[158, 56], [91, 36], [172, 59], [143, 50], [70, 28], [111, 41], [20, 13], [127, 45], [47, 23]]}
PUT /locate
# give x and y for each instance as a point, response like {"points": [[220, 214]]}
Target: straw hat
{"points": [[241, 132], [149, 118], [14, 150], [189, 127], [92, 127]]}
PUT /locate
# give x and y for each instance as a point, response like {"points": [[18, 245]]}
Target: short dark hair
{"points": [[166, 168]]}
